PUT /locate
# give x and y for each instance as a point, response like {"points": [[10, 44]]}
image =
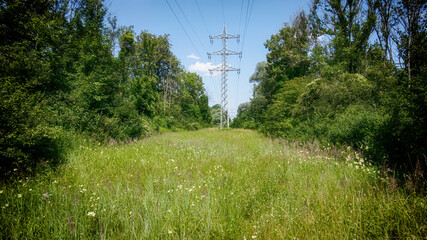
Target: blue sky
{"points": [[265, 19]]}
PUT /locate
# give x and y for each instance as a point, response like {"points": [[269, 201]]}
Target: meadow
{"points": [[210, 184]]}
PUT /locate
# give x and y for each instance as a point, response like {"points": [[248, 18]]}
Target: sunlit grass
{"points": [[210, 184]]}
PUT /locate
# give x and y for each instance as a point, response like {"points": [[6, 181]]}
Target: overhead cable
{"points": [[170, 7]]}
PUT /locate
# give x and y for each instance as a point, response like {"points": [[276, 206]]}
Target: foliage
{"points": [[278, 116], [61, 74], [216, 115], [329, 78], [288, 55]]}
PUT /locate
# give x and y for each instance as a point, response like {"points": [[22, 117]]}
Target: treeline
{"points": [[348, 73], [66, 67]]}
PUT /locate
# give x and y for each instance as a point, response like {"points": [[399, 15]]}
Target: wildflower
{"points": [[130, 213], [45, 196], [254, 236], [91, 214], [19, 195], [170, 231]]}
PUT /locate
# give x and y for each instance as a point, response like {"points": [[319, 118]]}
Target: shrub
{"points": [[361, 127], [27, 137]]}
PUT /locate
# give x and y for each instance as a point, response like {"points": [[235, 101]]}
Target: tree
{"points": [[385, 25], [350, 26], [279, 115], [407, 128], [243, 107], [412, 44], [216, 114], [288, 54], [205, 110], [191, 90], [27, 47]]}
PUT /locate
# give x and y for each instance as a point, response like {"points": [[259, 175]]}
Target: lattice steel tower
{"points": [[224, 68]]}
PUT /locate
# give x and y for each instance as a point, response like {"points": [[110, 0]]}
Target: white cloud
{"points": [[202, 67], [193, 56], [324, 39]]}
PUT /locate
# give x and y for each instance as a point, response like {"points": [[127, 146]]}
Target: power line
{"points": [[240, 18], [195, 33], [203, 19], [240, 59], [248, 16], [184, 29], [237, 90], [247, 19]]}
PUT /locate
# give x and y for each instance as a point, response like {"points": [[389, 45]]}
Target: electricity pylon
{"points": [[224, 68]]}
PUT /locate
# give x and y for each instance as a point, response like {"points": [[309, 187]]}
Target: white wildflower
{"points": [[45, 196]]}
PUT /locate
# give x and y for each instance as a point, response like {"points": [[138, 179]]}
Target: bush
{"points": [[361, 127], [332, 94], [27, 137]]}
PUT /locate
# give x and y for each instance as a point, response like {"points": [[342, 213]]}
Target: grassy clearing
{"points": [[210, 184]]}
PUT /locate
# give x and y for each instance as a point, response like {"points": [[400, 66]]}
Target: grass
{"points": [[210, 184]]}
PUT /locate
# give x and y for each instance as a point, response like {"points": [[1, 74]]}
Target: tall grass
{"points": [[210, 184]]}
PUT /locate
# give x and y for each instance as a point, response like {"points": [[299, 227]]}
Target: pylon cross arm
{"points": [[219, 52], [230, 52], [231, 36]]}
